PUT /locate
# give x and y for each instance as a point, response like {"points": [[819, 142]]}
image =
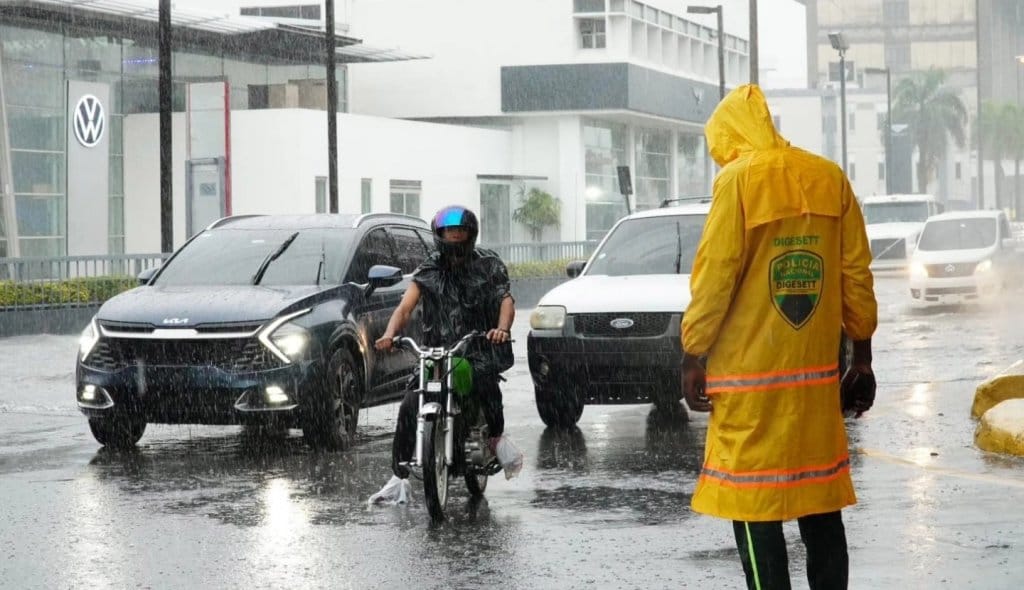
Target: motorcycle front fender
{"points": [[430, 411]]}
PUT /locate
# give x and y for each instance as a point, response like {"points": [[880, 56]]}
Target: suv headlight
{"points": [[288, 341], [548, 317], [90, 336], [983, 266]]}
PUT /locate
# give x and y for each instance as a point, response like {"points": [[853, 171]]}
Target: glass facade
{"points": [[653, 182], [36, 65], [692, 165], [604, 148]]}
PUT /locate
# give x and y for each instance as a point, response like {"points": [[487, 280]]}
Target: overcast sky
{"points": [[783, 58]]}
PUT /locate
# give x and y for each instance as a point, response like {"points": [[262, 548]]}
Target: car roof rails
{"points": [[230, 218], [677, 200], [367, 216]]}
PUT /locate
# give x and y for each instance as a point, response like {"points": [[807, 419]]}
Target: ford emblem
{"points": [[622, 323]]}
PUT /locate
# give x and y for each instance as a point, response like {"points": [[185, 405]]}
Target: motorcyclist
{"points": [[462, 288]]}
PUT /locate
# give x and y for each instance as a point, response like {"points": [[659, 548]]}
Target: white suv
{"points": [[893, 224], [611, 334]]}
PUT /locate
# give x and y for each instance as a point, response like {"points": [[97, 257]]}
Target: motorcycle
{"points": [[451, 433]]}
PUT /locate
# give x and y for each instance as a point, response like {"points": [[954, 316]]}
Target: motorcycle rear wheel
{"points": [[435, 469]]}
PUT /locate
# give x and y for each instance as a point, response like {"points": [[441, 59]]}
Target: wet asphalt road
{"points": [[606, 506]]}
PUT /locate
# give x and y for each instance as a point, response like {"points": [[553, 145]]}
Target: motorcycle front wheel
{"points": [[435, 469]]}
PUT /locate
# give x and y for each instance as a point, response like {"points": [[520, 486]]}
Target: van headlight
{"points": [[918, 271], [289, 342], [548, 317], [90, 336], [983, 267]]}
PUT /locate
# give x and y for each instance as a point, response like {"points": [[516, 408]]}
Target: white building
{"points": [[582, 87]]}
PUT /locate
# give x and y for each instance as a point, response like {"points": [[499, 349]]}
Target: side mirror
{"points": [[144, 276], [575, 268], [382, 275]]}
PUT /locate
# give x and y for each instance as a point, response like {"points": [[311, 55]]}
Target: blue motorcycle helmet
{"points": [[455, 216]]}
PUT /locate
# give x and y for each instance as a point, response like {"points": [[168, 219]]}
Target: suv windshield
{"points": [[650, 246], [233, 257], [958, 234], [895, 212]]}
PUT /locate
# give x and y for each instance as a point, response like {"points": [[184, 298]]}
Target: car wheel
{"points": [[117, 431], [557, 409], [331, 421]]}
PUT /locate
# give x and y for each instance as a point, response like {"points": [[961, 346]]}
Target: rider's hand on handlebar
{"points": [[385, 343], [498, 336]]}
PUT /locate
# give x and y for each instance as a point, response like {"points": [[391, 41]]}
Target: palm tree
{"points": [[1001, 126], [934, 113], [538, 210]]}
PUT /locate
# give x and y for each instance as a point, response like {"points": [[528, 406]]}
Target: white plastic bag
{"points": [[396, 491], [510, 457]]}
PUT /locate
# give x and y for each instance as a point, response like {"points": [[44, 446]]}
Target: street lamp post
{"points": [[840, 44], [717, 10], [888, 124]]}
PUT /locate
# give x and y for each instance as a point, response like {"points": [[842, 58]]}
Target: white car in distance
{"points": [[894, 223]]}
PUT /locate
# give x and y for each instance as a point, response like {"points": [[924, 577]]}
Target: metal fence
{"points": [[60, 268], [543, 251]]}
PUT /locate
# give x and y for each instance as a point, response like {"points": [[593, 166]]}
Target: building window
{"points": [[495, 214], [958, 171], [588, 5], [592, 34], [880, 121], [405, 197], [604, 148], [321, 194], [881, 171], [853, 121], [366, 195], [691, 165], [852, 173], [653, 168]]}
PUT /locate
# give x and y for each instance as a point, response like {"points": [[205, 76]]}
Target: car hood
{"points": [[893, 230], [599, 293], [189, 306], [951, 256]]}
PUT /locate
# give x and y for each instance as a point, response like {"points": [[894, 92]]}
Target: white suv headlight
{"points": [[983, 266], [286, 340], [90, 336], [548, 317], [918, 271]]}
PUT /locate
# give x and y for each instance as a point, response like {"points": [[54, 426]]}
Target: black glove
{"points": [[857, 390]]}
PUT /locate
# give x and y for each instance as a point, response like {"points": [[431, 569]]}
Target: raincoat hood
{"points": [[741, 123]]}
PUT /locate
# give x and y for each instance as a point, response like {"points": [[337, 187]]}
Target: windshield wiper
{"points": [[256, 278], [679, 248], [321, 268]]}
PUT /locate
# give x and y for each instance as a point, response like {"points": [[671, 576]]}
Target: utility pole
{"points": [[753, 42], [332, 111], [164, 90]]}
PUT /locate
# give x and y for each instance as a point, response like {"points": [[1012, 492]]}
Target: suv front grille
{"points": [[889, 249], [600, 324], [237, 355], [957, 269]]}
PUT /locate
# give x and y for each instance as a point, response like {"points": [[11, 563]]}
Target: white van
{"points": [[962, 257], [893, 224]]}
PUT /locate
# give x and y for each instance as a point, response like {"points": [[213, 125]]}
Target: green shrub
{"points": [[70, 291], [538, 270]]}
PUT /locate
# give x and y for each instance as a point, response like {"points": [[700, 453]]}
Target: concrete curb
{"points": [[999, 407]]}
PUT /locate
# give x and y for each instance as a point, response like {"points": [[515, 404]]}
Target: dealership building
{"points": [[599, 85]]}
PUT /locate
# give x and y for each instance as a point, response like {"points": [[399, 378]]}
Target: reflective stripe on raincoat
{"points": [[781, 271]]}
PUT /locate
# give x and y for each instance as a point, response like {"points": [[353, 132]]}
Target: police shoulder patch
{"points": [[795, 282]]}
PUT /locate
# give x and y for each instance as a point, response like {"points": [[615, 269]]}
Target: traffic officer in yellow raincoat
{"points": [[780, 273]]}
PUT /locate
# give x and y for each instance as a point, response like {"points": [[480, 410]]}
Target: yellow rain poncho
{"points": [[781, 271]]}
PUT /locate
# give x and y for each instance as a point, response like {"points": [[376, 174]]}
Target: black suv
{"points": [[263, 319]]}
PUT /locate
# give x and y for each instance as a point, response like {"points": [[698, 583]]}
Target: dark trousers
{"points": [[485, 389], [762, 544]]}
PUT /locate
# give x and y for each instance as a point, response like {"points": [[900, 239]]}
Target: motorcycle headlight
{"points": [[918, 271], [983, 266], [90, 336], [289, 342], [548, 317]]}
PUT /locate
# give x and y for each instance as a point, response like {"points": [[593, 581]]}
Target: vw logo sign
{"points": [[622, 323], [950, 269], [89, 121]]}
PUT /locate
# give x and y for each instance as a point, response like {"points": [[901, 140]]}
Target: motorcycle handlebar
{"points": [[405, 341]]}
